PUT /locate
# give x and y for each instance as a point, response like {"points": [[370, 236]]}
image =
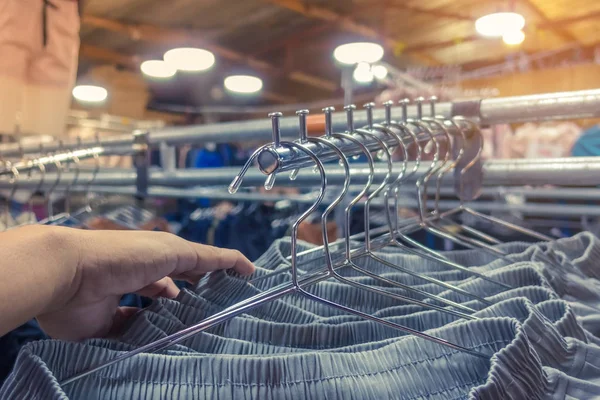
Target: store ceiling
{"points": [[289, 43]]}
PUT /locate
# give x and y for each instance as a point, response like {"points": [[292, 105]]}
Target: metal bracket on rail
{"points": [[141, 163]]}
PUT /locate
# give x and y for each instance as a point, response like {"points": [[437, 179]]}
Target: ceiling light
{"points": [[379, 71], [497, 24], [90, 93], [362, 75], [513, 38], [190, 59], [353, 53], [157, 69], [243, 84], [363, 66]]}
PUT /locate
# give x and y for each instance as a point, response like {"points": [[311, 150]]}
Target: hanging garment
{"points": [[538, 332], [42, 38], [588, 144]]}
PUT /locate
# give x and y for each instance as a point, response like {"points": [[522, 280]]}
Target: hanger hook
{"points": [[388, 129], [475, 131], [447, 155], [276, 135], [14, 181], [364, 191], [72, 157], [344, 161], [59, 168], [452, 165], [42, 168], [88, 198]]}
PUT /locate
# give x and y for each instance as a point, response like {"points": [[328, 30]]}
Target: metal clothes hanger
{"points": [[422, 182], [470, 242], [297, 284], [386, 128], [14, 181], [9, 221], [489, 218], [393, 222], [42, 169], [65, 217], [449, 167], [388, 153], [86, 211], [331, 271], [48, 197], [422, 192], [348, 262], [424, 129]]}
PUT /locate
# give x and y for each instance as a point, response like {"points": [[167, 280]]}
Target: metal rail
{"points": [[570, 171], [563, 105]]}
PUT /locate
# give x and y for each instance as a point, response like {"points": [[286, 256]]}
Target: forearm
{"points": [[38, 268]]}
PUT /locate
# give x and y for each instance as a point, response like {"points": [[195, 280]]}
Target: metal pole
{"points": [[67, 157], [564, 105], [538, 209], [559, 172]]}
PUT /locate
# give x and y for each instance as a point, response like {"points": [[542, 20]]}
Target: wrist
{"points": [[63, 250]]}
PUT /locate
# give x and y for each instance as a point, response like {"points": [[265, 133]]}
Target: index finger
{"points": [[214, 258]]}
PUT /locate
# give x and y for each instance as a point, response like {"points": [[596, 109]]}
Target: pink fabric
{"points": [[36, 80], [546, 140], [22, 53]]}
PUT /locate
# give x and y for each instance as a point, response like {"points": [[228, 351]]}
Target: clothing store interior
{"points": [[416, 183]]}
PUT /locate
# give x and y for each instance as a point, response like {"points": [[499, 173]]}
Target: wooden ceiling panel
{"points": [[558, 9], [467, 52], [442, 30], [587, 32]]}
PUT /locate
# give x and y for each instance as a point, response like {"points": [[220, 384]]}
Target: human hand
{"points": [[112, 263]]}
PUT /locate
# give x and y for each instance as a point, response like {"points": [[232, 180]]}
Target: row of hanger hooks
{"points": [[61, 160]]}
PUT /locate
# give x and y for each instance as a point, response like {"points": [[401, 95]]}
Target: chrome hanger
{"points": [[48, 197], [86, 210], [42, 168], [368, 253], [348, 262], [436, 211], [65, 217], [331, 270], [422, 182], [422, 197], [14, 181], [393, 223], [489, 218]]}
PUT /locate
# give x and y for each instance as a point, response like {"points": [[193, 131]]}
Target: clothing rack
{"points": [[145, 181], [280, 156], [67, 157], [537, 209], [540, 107]]}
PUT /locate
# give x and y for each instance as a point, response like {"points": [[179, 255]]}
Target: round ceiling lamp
{"points": [[497, 24], [353, 53], [379, 71], [513, 38], [90, 93], [362, 73], [157, 69], [245, 84], [189, 59]]}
